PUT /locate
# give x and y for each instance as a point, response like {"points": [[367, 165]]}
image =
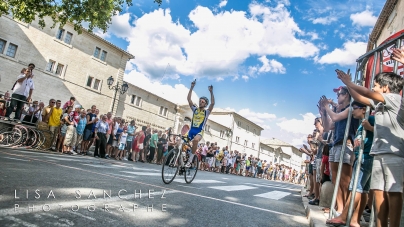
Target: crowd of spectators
{"points": [[381, 172], [75, 129]]}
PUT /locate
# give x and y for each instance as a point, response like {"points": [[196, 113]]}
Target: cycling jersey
{"points": [[199, 119]]}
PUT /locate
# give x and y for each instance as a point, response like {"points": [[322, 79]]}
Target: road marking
{"points": [[233, 188], [142, 173], [99, 166], [298, 218], [81, 215], [267, 186], [187, 186], [197, 181], [17, 159], [276, 195], [21, 222]]}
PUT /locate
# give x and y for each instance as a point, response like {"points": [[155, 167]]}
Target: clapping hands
{"points": [[398, 55]]}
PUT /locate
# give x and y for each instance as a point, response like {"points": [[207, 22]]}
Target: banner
{"points": [[388, 64]]}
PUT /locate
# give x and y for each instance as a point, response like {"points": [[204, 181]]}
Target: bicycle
{"points": [[175, 160]]}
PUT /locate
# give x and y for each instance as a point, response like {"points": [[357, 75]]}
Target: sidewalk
{"points": [[316, 216]]}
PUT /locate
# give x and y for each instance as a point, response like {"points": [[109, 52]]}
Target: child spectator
{"points": [[122, 143], [388, 143], [69, 103], [363, 180]]}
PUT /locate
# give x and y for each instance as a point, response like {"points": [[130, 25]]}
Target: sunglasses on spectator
{"points": [[341, 93], [53, 102]]}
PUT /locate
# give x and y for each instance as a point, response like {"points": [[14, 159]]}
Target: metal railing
{"points": [[377, 53]]}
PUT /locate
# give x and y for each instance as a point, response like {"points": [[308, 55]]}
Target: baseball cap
{"points": [[77, 106], [339, 88]]}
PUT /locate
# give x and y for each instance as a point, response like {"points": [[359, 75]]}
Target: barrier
{"points": [[377, 53]]}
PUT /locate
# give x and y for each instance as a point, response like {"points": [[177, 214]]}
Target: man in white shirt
{"points": [[22, 91]]}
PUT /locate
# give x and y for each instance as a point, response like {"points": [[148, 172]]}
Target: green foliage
{"points": [[97, 13]]}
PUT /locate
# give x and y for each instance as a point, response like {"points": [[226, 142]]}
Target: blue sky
{"points": [[268, 60]]}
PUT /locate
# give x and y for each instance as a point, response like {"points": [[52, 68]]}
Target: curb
{"points": [[314, 214]]}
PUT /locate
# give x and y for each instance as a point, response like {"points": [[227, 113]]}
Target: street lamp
{"points": [[122, 89]]}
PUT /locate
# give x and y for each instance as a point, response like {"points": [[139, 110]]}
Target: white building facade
{"points": [[67, 64]]}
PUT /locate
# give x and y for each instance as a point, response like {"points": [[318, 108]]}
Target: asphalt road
{"points": [[49, 189]]}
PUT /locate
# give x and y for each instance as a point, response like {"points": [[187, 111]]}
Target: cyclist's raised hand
{"points": [[193, 83], [210, 88]]}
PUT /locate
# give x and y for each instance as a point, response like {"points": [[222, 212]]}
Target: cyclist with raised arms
{"points": [[199, 119]]}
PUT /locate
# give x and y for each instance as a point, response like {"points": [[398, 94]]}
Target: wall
{"points": [[394, 24], [148, 112], [39, 46]]}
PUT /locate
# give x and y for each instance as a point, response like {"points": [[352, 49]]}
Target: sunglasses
{"points": [[53, 102], [342, 93]]}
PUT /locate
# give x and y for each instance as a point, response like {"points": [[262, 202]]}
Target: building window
{"points": [[163, 111], [2, 45], [255, 132], [68, 37], [221, 133], [59, 69], [50, 65], [238, 123], [245, 142], [136, 100], [97, 52], [207, 128], [60, 34], [12, 49], [93, 83], [103, 55], [96, 85], [237, 139], [252, 145], [89, 81], [248, 128]]}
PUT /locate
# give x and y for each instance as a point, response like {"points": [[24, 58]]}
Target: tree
{"points": [[98, 13]]}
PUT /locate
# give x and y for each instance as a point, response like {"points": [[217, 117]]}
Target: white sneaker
{"points": [[125, 159], [73, 153]]}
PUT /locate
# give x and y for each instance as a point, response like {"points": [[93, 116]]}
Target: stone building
{"points": [[389, 22], [67, 64], [146, 108], [244, 135], [283, 153]]}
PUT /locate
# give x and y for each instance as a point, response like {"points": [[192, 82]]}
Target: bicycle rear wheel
{"points": [[170, 167], [190, 172]]}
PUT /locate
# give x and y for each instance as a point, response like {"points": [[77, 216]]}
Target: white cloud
{"points": [[346, 55], [271, 66], [245, 78], [363, 19], [313, 35], [176, 94], [222, 3], [218, 44], [299, 141], [324, 20], [258, 118], [275, 104], [299, 126]]}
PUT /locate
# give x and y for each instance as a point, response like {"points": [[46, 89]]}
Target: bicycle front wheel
{"points": [[190, 172], [170, 167]]}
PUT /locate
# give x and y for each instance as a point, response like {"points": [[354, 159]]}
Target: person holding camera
{"points": [[22, 92]]}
